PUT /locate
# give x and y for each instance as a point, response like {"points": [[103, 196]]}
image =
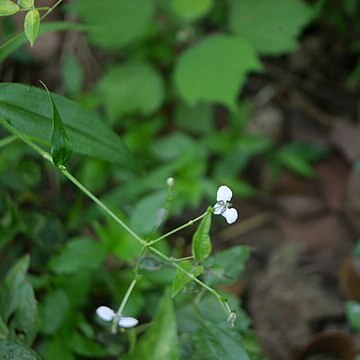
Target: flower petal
{"points": [[230, 215], [218, 209], [105, 313], [224, 194], [127, 322]]}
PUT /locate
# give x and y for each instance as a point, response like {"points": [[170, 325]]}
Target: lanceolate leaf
{"points": [[201, 244], [182, 279], [27, 109], [31, 25], [61, 147]]}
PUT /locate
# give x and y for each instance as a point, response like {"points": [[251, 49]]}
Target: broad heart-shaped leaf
{"points": [[352, 310], [3, 329], [32, 25], [11, 351], [61, 147], [201, 243], [182, 279], [27, 109], [215, 342], [118, 22], [131, 87], [78, 254], [8, 7], [215, 70], [160, 341], [270, 26]]}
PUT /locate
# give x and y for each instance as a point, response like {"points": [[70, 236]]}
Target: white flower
{"points": [[107, 314], [223, 196]]}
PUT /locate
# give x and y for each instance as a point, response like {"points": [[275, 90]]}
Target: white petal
{"points": [[224, 194], [105, 313], [127, 322], [218, 209], [230, 215]]}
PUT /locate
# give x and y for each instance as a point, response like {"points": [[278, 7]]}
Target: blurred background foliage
{"points": [[179, 88]]}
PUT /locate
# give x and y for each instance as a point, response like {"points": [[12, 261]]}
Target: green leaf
{"points": [[11, 351], [20, 39], [8, 7], [181, 279], [191, 10], [27, 109], [160, 341], [52, 320], [118, 23], [26, 4], [61, 147], [201, 243], [78, 254], [270, 26], [11, 287], [3, 329], [144, 217], [216, 343], [26, 316], [352, 311], [132, 87], [32, 25], [226, 266], [215, 70]]}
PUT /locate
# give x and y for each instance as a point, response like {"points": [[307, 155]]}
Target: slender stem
{"points": [[189, 223], [20, 34], [146, 245], [8, 140], [102, 205], [191, 276], [127, 295]]}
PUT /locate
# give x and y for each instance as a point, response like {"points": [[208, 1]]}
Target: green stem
{"points": [[102, 205], [189, 223], [146, 245], [8, 140]]}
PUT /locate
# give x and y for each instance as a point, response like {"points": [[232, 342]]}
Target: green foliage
{"points": [[11, 350], [192, 10], [8, 7], [28, 110], [18, 308], [32, 25], [226, 266], [181, 279], [118, 23], [270, 26], [160, 341], [78, 254], [132, 87], [61, 147], [201, 243], [352, 311], [215, 70], [216, 343], [26, 4]]}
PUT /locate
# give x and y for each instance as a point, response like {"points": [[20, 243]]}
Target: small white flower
{"points": [[170, 182], [223, 196], [107, 314]]}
